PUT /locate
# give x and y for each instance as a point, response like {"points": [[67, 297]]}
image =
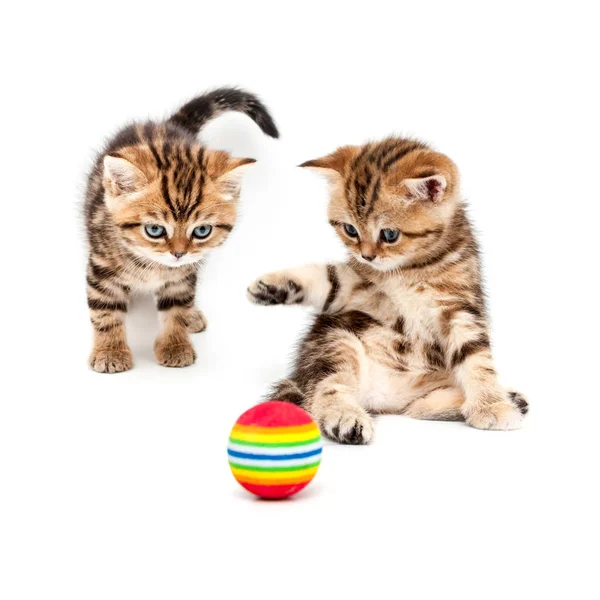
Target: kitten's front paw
{"points": [[347, 425], [502, 415], [174, 355], [196, 321], [111, 361], [275, 289]]}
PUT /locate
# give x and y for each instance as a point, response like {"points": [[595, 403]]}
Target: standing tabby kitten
{"points": [[402, 325], [156, 202]]}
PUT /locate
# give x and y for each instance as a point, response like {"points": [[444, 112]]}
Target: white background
{"points": [[118, 486]]}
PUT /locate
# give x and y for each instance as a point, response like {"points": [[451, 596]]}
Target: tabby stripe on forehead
{"points": [[374, 196], [360, 156], [166, 149], [198, 199], [385, 154], [335, 286], [361, 189], [188, 155], [154, 152], [399, 154], [164, 183], [188, 189], [179, 173], [200, 156]]}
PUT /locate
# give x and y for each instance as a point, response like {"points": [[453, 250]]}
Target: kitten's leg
{"points": [[487, 404], [443, 404], [324, 287], [196, 321], [107, 301], [333, 400], [178, 316], [335, 408]]}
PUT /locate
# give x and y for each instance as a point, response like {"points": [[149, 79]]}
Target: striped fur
{"points": [[159, 174], [402, 325]]}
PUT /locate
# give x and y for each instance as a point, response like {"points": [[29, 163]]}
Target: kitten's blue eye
{"points": [[155, 231], [350, 230], [202, 231], [389, 235]]}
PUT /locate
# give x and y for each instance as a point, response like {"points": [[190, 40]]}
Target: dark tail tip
{"points": [[199, 111]]}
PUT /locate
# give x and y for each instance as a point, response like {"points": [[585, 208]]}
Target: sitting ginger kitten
{"points": [[402, 325], [156, 202]]}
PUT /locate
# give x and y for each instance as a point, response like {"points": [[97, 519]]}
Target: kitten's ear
{"points": [[333, 166], [227, 173], [427, 189], [122, 177]]}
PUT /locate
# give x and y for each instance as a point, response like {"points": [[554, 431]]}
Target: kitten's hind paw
{"points": [[196, 321], [502, 415], [275, 289], [111, 361], [347, 425]]}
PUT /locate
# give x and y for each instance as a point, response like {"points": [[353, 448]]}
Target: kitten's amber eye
{"points": [[350, 230], [389, 235], [155, 231], [202, 231]]}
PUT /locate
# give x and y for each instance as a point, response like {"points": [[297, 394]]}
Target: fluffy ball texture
{"points": [[274, 449]]}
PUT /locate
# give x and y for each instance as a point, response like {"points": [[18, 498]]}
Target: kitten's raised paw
{"points": [[275, 289], [111, 361], [502, 415], [196, 321], [348, 425], [175, 355]]}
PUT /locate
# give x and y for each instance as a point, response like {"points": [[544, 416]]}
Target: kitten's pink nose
{"points": [[177, 254], [369, 258]]}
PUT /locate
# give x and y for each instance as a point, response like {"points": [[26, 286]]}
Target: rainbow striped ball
{"points": [[274, 449]]}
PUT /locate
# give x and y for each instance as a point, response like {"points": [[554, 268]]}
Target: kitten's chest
{"points": [[411, 305], [149, 280]]}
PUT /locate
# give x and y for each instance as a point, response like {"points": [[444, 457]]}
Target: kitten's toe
{"points": [[502, 415], [272, 289], [519, 401], [196, 321], [348, 425], [175, 355], [111, 361]]}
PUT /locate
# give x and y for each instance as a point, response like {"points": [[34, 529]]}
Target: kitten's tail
{"points": [[287, 391], [197, 112]]}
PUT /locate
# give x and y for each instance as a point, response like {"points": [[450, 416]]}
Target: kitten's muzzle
{"points": [[369, 257], [177, 254]]}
